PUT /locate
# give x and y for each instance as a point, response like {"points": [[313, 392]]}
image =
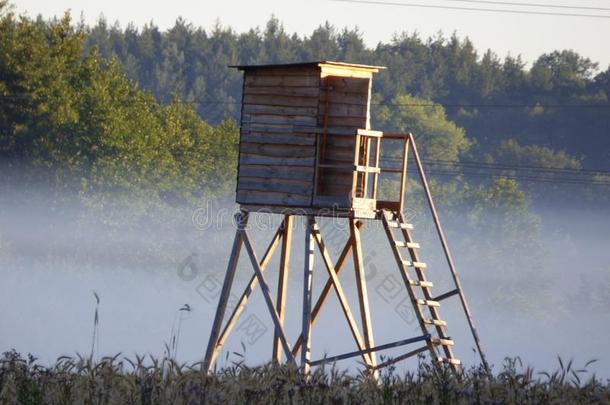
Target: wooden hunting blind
{"points": [[305, 137], [307, 150]]}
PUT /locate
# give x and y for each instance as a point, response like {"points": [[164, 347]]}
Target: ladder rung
{"points": [[396, 224], [454, 362], [429, 303], [410, 245], [417, 265], [423, 284], [436, 322], [443, 342]]}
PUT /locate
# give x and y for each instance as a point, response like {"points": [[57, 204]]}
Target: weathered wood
{"points": [[348, 84], [275, 185], [280, 101], [271, 198], [284, 129], [339, 109], [208, 362], [331, 201], [278, 119], [339, 291], [294, 139], [328, 70], [363, 297], [278, 110], [286, 71], [243, 299], [356, 122], [282, 284], [386, 346], [266, 294], [307, 297], [454, 274], [252, 159], [401, 357], [387, 218], [277, 150], [346, 98], [277, 172], [284, 81], [328, 286], [312, 91]]}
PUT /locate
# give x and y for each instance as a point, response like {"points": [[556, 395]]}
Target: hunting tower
{"points": [[307, 149]]}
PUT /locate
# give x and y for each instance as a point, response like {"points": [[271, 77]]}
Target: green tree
{"points": [[438, 138]]}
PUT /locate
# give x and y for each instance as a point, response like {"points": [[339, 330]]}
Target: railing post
{"points": [[403, 174]]}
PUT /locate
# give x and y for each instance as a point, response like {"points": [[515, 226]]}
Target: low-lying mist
{"points": [[535, 295]]}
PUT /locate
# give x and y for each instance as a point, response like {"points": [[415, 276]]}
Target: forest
{"points": [[143, 112]]}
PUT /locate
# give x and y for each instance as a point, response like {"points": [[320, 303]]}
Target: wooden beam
{"points": [[243, 299], [363, 297], [403, 176], [266, 293], [401, 357], [448, 256], [327, 287], [386, 346], [282, 284], [307, 286], [208, 362], [339, 291]]}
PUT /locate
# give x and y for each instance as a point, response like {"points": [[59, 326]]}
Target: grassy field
{"points": [[120, 380]]}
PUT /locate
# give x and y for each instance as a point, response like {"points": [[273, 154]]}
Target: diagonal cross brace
{"points": [[266, 294], [334, 279]]}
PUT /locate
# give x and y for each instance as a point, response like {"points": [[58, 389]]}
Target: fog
{"points": [[537, 302]]}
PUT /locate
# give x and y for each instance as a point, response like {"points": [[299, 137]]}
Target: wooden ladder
{"points": [[413, 272]]}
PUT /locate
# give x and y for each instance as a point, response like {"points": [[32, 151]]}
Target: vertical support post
{"points": [[356, 163], [376, 175], [210, 354], [307, 296], [403, 176], [448, 256], [363, 298], [282, 284]]}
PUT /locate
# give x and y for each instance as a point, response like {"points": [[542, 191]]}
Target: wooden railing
{"points": [[397, 205]]}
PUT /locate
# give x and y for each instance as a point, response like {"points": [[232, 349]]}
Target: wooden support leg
{"points": [[327, 287], [241, 303], [340, 294], [307, 285], [208, 363], [282, 283], [363, 298], [266, 294]]}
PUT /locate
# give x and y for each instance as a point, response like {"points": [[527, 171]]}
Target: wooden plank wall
{"points": [[348, 110], [278, 136]]}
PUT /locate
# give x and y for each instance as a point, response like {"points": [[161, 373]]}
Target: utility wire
{"points": [[504, 166], [520, 178], [490, 10], [506, 3], [416, 105]]}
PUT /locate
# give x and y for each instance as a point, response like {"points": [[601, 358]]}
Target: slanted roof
{"points": [[321, 63]]}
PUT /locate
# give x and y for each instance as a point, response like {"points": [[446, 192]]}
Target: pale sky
{"points": [[527, 35]]}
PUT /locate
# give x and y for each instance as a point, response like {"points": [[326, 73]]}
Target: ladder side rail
{"points": [[421, 276], [405, 278], [448, 256]]}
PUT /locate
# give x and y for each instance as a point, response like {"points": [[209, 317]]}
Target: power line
{"points": [[415, 105], [501, 166], [521, 178], [490, 10], [506, 3]]}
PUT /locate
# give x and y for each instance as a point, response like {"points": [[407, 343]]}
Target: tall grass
{"points": [[145, 380]]}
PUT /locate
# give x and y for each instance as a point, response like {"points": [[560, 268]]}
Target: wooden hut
{"points": [[305, 140], [306, 149]]}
